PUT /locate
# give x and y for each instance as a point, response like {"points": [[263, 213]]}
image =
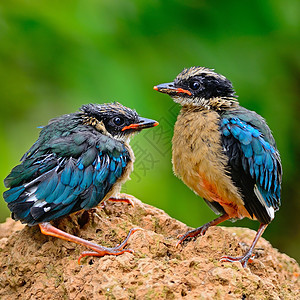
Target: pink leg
{"points": [[201, 230], [124, 198], [48, 229], [245, 258]]}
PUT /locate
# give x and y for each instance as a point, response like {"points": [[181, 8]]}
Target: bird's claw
{"points": [[117, 250], [242, 259], [94, 253], [192, 233], [182, 238]]}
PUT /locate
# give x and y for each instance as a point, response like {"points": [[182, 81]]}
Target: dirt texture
{"points": [[35, 266]]}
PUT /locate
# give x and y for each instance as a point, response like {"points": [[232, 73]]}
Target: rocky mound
{"points": [[34, 266]]}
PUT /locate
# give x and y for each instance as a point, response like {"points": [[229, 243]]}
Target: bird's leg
{"points": [[201, 230], [245, 258], [48, 229], [122, 197]]}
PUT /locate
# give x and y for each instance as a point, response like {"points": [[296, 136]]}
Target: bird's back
{"points": [[70, 167]]}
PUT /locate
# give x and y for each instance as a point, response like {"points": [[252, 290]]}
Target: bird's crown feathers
{"points": [[114, 108], [198, 71]]}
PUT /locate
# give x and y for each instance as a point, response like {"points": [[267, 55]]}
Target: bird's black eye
{"points": [[118, 121], [194, 85]]}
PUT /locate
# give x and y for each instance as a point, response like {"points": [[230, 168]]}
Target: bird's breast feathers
{"points": [[228, 160], [198, 159]]}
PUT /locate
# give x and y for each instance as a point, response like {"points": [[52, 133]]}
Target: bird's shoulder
{"points": [[63, 138], [252, 119], [68, 136]]}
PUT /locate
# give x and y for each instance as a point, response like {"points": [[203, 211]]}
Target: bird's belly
{"points": [[199, 161]]}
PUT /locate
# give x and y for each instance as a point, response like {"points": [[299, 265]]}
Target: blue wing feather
{"points": [[67, 172], [258, 158], [13, 194], [47, 186], [57, 183], [76, 177], [87, 177], [59, 189], [112, 166], [68, 190]]}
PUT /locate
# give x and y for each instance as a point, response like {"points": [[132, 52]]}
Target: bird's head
{"points": [[115, 120], [197, 86]]}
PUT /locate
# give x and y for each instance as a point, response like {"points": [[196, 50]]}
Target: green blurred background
{"points": [[57, 55]]}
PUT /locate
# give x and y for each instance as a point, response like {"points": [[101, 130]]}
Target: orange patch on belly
{"points": [[230, 207]]}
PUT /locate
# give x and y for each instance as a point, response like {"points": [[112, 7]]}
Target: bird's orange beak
{"points": [[142, 124], [169, 88]]}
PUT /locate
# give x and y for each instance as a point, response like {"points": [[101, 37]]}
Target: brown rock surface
{"points": [[34, 266]]}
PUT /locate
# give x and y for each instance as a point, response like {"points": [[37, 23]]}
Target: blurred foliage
{"points": [[57, 55]]}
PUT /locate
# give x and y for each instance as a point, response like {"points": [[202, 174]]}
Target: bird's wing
{"points": [[254, 165], [64, 175]]}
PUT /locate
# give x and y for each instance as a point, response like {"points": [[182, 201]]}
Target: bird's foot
{"points": [[121, 197], [249, 254], [192, 233], [201, 230], [248, 257], [98, 250], [102, 251]]}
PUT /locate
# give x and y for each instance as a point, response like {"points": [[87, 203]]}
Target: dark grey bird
{"points": [[78, 161]]}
